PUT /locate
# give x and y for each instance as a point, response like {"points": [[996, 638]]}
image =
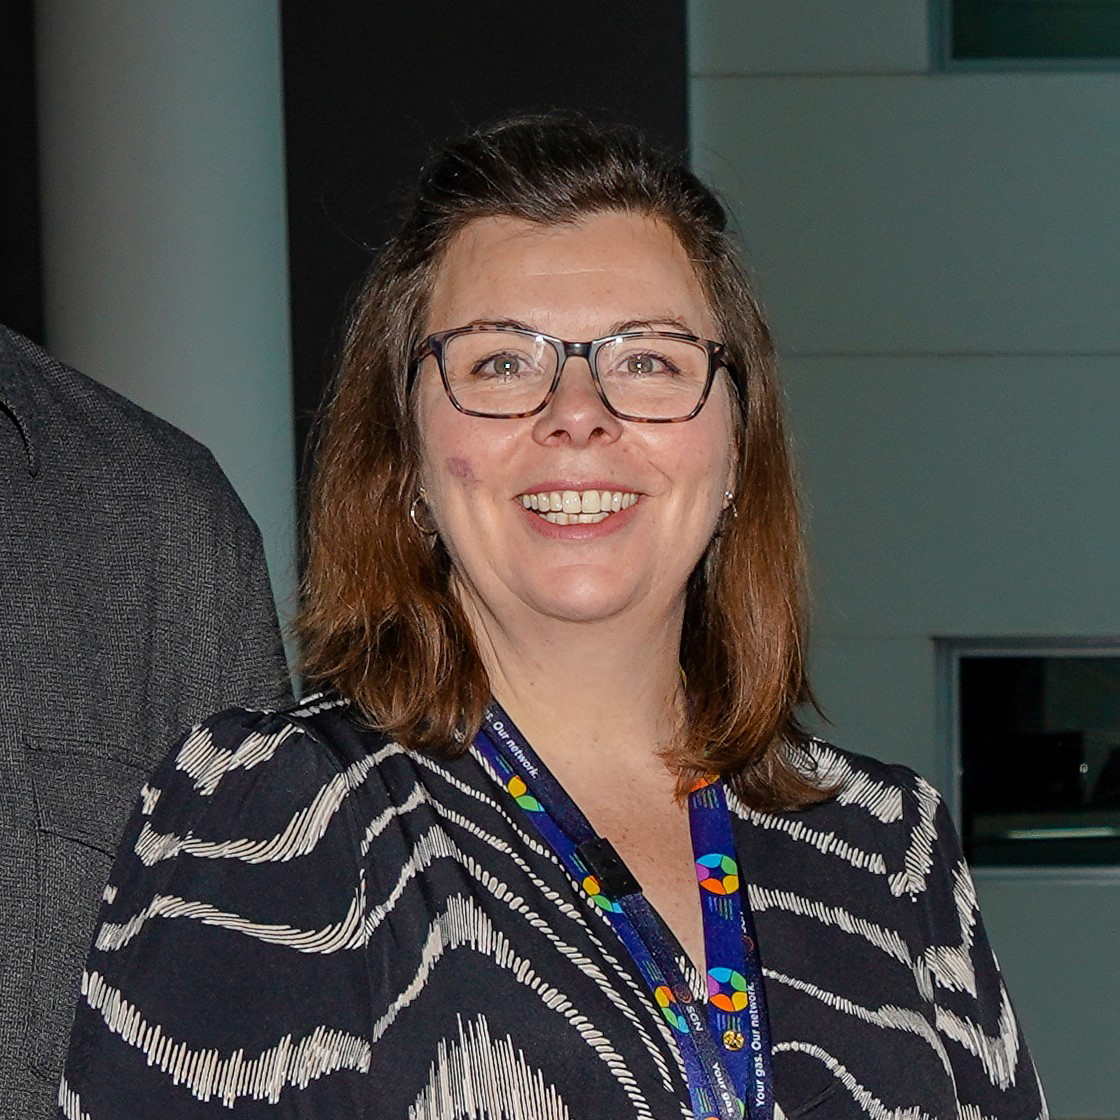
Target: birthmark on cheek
{"points": [[461, 468]]}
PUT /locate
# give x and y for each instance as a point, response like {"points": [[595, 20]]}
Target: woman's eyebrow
{"points": [[657, 323], [516, 324]]}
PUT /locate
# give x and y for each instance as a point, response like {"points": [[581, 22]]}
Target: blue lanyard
{"points": [[725, 1047]]}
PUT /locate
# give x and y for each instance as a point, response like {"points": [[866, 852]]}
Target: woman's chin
{"points": [[580, 599]]}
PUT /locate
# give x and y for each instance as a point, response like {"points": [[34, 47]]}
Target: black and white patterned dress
{"points": [[305, 920]]}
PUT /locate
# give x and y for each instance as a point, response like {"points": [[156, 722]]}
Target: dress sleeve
{"points": [[983, 1044], [227, 976]]}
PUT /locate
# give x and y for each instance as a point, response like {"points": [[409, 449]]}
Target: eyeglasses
{"points": [[654, 377]]}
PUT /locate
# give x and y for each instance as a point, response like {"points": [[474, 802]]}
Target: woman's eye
{"points": [[647, 365], [640, 364], [500, 365]]}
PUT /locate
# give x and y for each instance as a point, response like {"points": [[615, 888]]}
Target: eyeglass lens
{"points": [[505, 372]]}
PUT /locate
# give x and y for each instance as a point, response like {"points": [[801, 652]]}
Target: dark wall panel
{"points": [[21, 282], [371, 88]]}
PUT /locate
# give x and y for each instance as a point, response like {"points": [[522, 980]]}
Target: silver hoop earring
{"points": [[418, 503], [729, 504]]}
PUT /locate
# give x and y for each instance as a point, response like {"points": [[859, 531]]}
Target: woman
{"points": [[552, 595]]}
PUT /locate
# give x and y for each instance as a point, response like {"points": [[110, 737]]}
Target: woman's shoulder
{"points": [[884, 791], [261, 767], [883, 821]]}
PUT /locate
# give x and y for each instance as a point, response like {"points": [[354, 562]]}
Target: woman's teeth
{"points": [[578, 507]]}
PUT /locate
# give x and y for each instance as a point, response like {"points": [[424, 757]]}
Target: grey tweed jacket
{"points": [[135, 600]]}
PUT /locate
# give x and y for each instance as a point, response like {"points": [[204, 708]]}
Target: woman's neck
{"points": [[588, 695]]}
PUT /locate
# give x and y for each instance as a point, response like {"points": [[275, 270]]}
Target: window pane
{"points": [[1026, 29], [1040, 754]]}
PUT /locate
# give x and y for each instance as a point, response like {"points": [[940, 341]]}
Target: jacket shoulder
{"points": [[79, 424]]}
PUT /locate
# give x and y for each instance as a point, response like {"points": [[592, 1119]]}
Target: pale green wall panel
{"points": [[808, 36], [963, 497], [924, 214]]}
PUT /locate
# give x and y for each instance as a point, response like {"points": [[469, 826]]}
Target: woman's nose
{"points": [[576, 413]]}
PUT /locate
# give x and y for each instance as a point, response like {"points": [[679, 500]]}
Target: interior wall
{"points": [[939, 257], [164, 234]]}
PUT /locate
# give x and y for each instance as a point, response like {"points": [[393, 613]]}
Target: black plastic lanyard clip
{"points": [[606, 865]]}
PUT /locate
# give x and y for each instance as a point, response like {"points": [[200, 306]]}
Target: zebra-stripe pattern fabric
{"points": [[306, 920]]}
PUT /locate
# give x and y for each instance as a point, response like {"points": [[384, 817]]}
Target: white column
{"points": [[165, 238]]}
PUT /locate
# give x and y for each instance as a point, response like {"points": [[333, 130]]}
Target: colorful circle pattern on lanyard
{"points": [[727, 990], [663, 994], [516, 786], [718, 873]]}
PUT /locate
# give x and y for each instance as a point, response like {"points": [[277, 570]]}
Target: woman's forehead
{"points": [[608, 266]]}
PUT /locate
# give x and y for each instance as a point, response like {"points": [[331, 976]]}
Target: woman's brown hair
{"points": [[380, 622]]}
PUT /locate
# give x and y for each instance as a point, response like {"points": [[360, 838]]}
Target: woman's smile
{"points": [[578, 507]]}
